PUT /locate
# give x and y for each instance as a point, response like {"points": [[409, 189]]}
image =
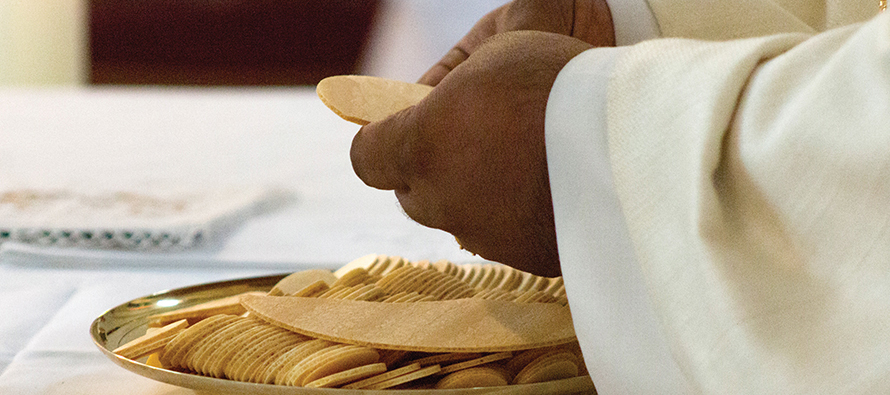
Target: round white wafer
{"points": [[301, 369], [366, 262], [313, 290], [176, 350], [476, 362], [362, 99], [229, 305], [346, 358], [220, 362], [256, 374], [405, 378], [554, 365], [277, 372], [218, 347], [436, 326], [480, 376], [383, 376], [295, 282], [152, 341], [347, 376], [260, 351]]}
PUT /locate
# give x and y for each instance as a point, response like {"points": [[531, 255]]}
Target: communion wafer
{"points": [[370, 293], [225, 349], [357, 290], [340, 360], [241, 366], [395, 298], [393, 263], [435, 326], [277, 372], [550, 366], [480, 376], [152, 341], [222, 362], [308, 364], [524, 358], [378, 266], [486, 275], [443, 266], [317, 288], [445, 358], [391, 282], [383, 376], [295, 282], [347, 376], [366, 262], [510, 280], [353, 277], [363, 99], [394, 357], [260, 350], [556, 284], [256, 373], [405, 378], [444, 287], [470, 271], [228, 305], [266, 373], [206, 351], [180, 345], [247, 346], [528, 282], [335, 291], [476, 362]]}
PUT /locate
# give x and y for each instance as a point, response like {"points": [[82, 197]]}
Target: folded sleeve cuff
{"points": [[625, 349]]}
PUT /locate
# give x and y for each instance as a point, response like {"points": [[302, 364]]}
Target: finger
{"points": [[553, 16], [592, 23], [452, 59], [378, 152], [587, 20]]}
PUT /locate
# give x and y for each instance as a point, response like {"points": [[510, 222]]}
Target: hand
{"points": [[470, 158], [586, 20]]}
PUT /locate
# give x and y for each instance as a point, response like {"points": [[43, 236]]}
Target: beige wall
{"points": [[43, 42]]}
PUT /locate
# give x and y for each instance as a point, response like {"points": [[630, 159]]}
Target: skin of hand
{"points": [[587, 20], [470, 158]]}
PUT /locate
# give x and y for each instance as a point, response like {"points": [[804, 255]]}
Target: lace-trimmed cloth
{"points": [[126, 220]]}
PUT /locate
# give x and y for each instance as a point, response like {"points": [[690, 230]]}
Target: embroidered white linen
{"points": [[148, 220]]}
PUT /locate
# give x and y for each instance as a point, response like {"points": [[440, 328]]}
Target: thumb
{"points": [[379, 151]]}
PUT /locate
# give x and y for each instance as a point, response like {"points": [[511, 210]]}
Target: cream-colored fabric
{"points": [[755, 179], [723, 20], [625, 348]]}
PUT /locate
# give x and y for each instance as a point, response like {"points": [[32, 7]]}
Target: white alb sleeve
{"points": [[624, 347]]}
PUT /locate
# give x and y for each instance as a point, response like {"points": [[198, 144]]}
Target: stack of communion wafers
{"points": [[379, 322]]}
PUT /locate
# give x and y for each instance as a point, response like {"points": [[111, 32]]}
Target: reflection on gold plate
{"points": [[130, 320]]}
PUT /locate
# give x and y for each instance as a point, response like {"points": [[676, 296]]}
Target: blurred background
{"points": [[225, 42]]}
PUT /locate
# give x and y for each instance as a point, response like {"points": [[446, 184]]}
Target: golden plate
{"points": [[130, 320]]}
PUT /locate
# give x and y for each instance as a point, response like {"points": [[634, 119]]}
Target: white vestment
{"points": [[723, 207]]}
